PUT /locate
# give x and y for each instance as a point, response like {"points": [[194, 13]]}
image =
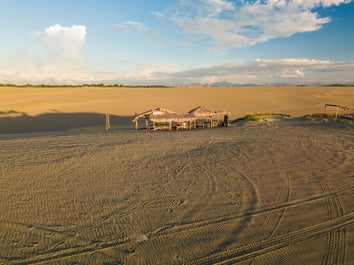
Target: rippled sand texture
{"points": [[257, 193]]}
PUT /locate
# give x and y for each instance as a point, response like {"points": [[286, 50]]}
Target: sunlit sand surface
{"points": [[273, 192]]}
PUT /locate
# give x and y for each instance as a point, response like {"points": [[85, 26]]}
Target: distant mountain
{"points": [[228, 84], [222, 84]]}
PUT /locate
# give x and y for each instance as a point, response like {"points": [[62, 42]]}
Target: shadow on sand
{"points": [[15, 122]]}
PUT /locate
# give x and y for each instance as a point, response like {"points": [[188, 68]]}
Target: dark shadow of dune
{"points": [[50, 122]]}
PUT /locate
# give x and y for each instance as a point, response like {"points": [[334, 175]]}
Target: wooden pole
{"points": [[147, 124], [108, 123]]}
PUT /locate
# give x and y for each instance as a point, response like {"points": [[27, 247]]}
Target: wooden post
{"points": [[108, 123], [147, 124]]}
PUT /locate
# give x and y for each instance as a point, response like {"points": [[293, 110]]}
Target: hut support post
{"points": [[108, 124]]}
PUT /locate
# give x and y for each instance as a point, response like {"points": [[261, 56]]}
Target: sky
{"points": [[177, 42]]}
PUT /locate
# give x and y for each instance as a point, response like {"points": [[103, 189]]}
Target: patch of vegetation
{"points": [[338, 85], [327, 117], [320, 117], [253, 117], [258, 116], [83, 85]]}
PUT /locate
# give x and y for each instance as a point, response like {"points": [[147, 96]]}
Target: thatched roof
{"points": [[165, 115], [155, 112], [202, 112]]}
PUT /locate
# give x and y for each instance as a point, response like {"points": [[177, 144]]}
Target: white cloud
{"points": [[229, 24], [157, 14], [151, 35], [63, 42], [131, 25]]}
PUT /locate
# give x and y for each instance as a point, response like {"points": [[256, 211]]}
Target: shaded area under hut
{"points": [[199, 117]]}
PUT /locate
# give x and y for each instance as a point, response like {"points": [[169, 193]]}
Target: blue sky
{"points": [[177, 42]]}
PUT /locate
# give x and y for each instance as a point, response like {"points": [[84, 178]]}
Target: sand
{"points": [[55, 109], [277, 192]]}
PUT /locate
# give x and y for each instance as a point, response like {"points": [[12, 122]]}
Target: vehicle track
{"points": [[57, 255], [212, 184], [172, 229], [187, 225], [336, 238], [253, 250], [275, 218], [259, 211]]}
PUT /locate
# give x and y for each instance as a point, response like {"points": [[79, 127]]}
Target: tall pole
{"points": [[108, 123]]}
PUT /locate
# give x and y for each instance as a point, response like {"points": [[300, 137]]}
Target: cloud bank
{"points": [[61, 61], [291, 71], [230, 24]]}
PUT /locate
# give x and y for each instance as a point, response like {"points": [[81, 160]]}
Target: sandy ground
{"points": [[278, 192], [55, 109]]}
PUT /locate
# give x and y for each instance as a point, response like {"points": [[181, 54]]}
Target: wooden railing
{"points": [[342, 111]]}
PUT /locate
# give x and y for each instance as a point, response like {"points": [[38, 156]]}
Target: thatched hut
{"points": [[159, 118], [209, 118]]}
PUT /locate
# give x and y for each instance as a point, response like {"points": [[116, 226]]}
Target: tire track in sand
{"points": [[335, 157], [275, 218], [336, 238], [253, 250], [212, 183], [253, 196], [254, 199], [242, 253]]}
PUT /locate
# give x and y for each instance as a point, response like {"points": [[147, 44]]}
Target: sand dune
{"points": [[124, 102], [277, 192]]}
